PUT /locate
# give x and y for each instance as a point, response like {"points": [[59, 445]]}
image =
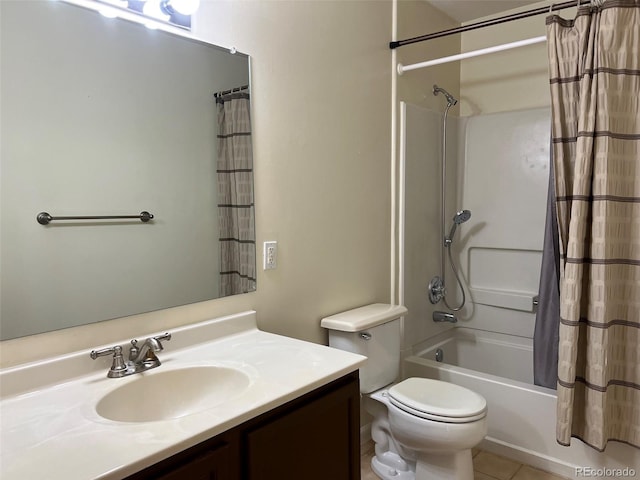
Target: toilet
{"points": [[423, 429]]}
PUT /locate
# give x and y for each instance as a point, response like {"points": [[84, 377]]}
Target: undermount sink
{"points": [[164, 395]]}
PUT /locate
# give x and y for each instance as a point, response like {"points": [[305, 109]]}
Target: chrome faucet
{"points": [[444, 317], [140, 359], [146, 355]]}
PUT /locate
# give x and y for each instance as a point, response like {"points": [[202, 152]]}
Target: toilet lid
{"points": [[438, 400]]}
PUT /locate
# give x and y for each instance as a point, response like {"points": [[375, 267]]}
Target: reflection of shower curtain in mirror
{"points": [[235, 195], [595, 78]]}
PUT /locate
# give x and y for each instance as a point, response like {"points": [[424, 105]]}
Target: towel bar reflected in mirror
{"points": [[44, 218]]}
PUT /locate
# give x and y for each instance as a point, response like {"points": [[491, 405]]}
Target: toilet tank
{"points": [[372, 331]]}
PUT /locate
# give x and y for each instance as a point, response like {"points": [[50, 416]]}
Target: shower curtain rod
{"points": [[474, 53], [233, 90], [486, 23]]}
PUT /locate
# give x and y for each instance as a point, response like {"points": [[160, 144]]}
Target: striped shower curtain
{"points": [[235, 195], [594, 65]]}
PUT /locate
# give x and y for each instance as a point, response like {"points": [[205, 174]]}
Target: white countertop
{"points": [[50, 429]]}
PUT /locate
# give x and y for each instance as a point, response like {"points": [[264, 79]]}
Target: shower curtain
{"points": [[235, 194], [594, 64], [545, 335]]}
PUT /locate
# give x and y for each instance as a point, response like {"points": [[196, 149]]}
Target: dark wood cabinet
{"points": [[214, 459], [315, 440], [314, 437], [213, 465]]}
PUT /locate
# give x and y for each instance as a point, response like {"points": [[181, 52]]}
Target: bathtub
{"points": [[521, 415]]}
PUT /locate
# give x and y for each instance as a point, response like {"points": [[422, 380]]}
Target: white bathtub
{"points": [[521, 415]]}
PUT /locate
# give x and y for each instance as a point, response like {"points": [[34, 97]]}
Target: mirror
{"points": [[105, 117]]}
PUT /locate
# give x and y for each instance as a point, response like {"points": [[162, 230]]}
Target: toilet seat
{"points": [[437, 400]]}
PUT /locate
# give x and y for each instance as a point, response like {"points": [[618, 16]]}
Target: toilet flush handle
{"points": [[365, 336]]}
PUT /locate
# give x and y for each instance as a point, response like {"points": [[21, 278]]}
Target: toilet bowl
{"points": [[423, 429], [435, 425]]}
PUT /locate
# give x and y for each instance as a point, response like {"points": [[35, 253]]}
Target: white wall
{"points": [[511, 80], [321, 81], [415, 18], [505, 181]]}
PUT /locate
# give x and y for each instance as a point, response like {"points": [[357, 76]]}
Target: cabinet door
{"points": [[212, 465], [319, 440]]}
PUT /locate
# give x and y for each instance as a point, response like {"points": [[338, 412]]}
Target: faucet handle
{"points": [[117, 350], [118, 367]]}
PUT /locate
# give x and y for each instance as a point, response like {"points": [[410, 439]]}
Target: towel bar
{"points": [[44, 218]]}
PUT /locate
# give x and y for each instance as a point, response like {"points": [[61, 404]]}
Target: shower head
{"points": [[451, 100], [460, 217]]}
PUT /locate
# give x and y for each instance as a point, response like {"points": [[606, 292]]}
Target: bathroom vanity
{"points": [[228, 402], [313, 437]]}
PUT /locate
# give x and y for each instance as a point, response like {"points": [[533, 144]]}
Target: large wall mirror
{"points": [[106, 117]]}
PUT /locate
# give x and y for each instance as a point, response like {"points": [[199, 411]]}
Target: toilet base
{"points": [[387, 466], [453, 466]]}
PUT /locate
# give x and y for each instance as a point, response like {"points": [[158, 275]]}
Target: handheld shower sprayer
{"points": [[437, 288], [459, 218]]}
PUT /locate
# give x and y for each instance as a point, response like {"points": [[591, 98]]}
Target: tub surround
{"points": [[48, 407]]}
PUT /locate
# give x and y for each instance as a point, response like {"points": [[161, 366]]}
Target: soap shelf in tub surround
{"points": [[51, 429], [526, 302]]}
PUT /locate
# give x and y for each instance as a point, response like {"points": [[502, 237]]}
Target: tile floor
{"points": [[486, 466]]}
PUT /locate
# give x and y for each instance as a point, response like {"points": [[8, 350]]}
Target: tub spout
{"points": [[444, 317]]}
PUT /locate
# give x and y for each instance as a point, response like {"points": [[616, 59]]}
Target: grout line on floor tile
{"points": [[516, 472], [486, 475]]}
